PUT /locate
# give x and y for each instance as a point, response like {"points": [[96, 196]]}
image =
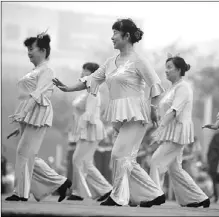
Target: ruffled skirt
{"points": [[90, 128], [128, 109], [39, 116], [177, 132]]}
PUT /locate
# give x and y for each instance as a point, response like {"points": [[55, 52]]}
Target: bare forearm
{"points": [[77, 87]]}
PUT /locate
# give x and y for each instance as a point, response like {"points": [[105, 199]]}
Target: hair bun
{"points": [[46, 38], [138, 34], [187, 67]]}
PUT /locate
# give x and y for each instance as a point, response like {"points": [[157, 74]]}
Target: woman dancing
{"points": [[88, 182], [126, 75], [34, 116], [176, 130]]}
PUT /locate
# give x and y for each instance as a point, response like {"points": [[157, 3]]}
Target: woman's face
{"points": [[172, 72], [85, 72], [118, 41], [35, 54]]}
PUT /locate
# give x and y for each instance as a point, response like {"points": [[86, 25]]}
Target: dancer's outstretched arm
{"points": [[77, 87], [214, 126]]}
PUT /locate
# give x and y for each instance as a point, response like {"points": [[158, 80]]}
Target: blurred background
{"points": [[81, 32]]}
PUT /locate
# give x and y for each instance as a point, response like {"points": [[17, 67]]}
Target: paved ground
{"points": [[50, 207]]}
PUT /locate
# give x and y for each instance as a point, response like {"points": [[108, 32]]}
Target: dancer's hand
{"points": [[155, 136], [57, 82], [211, 126], [60, 85], [15, 133], [154, 116]]}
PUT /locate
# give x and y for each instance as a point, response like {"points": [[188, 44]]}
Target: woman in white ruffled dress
{"points": [[175, 131], [89, 130], [34, 116], [126, 76]]}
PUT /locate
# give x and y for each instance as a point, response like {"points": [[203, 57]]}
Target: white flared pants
{"points": [[130, 181], [88, 182], [27, 163], [45, 180], [168, 157]]}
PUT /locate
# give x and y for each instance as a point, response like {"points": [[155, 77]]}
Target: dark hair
{"points": [[42, 41], [128, 26], [179, 63], [92, 67]]}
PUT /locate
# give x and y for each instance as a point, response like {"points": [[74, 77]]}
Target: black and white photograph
{"points": [[109, 108]]}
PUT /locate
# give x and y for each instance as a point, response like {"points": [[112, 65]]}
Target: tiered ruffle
{"points": [[90, 129], [177, 132], [128, 109], [40, 98], [41, 114], [125, 109]]}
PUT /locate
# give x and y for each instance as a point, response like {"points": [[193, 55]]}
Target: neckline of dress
{"points": [[115, 61], [117, 58]]}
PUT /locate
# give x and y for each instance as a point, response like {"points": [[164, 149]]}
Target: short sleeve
{"points": [[181, 97], [146, 71], [94, 80]]}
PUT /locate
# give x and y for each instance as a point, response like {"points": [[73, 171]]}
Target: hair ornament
{"points": [[40, 36], [169, 55]]}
